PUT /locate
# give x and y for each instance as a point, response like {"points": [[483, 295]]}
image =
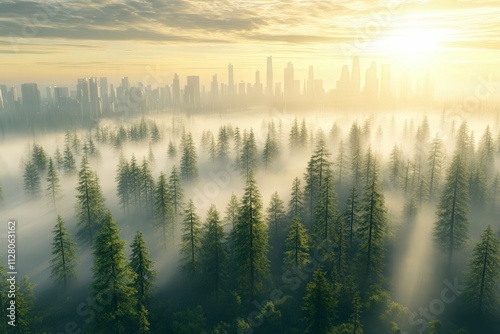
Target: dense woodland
{"points": [[327, 256]]}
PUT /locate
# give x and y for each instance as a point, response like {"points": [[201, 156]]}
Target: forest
{"points": [[255, 222]]}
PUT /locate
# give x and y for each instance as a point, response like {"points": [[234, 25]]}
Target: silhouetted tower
{"points": [[289, 82], [31, 98], [269, 87], [176, 91], [310, 82], [230, 81]]}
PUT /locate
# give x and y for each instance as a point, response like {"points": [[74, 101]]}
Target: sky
{"points": [[55, 42]]}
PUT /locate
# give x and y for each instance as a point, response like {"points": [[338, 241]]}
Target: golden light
{"points": [[412, 45]]}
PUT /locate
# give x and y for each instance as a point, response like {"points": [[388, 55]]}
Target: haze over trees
{"points": [[246, 231]]}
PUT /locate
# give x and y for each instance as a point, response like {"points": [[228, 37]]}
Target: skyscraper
{"points": [[103, 86], [176, 91], [230, 80], [269, 84], [83, 94], [94, 98], [192, 91], [288, 82], [310, 82], [31, 98], [258, 90], [214, 88]]}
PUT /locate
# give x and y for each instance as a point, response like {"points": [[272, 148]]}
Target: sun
{"points": [[411, 45]]}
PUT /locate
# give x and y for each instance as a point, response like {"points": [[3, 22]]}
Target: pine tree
{"points": [[142, 267], [189, 169], [147, 189], [39, 158], [450, 230], [316, 170], [248, 155], [341, 162], [276, 219], [237, 144], [212, 150], [114, 279], [134, 182], [163, 210], [319, 303], [351, 215], [297, 245], [58, 158], [270, 151], [25, 300], [483, 275], [191, 241], [231, 214], [69, 164], [53, 191], [355, 154], [213, 254], [294, 138], [303, 133], [296, 203], [395, 165], [123, 184], [63, 262], [371, 231], [176, 192], [172, 151], [223, 144], [90, 203], [435, 161], [31, 180], [326, 210], [251, 245]]}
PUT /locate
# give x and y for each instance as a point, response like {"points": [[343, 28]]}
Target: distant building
{"points": [[176, 91], [192, 92], [31, 98], [269, 83], [385, 83]]}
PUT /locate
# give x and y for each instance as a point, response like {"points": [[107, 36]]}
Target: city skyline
{"points": [[43, 41]]}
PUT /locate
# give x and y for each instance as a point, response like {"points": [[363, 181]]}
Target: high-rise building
{"points": [[192, 91], [289, 82], [2, 106], [269, 84], [94, 98], [230, 80], [258, 89], [83, 94], [310, 82], [214, 88], [104, 92], [176, 91], [125, 85], [31, 98]]}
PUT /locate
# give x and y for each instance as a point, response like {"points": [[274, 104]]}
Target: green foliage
{"points": [[90, 206], [63, 263], [189, 169], [189, 322], [297, 245], [251, 243], [213, 254], [483, 276], [172, 150], [39, 158], [69, 164], [142, 266], [113, 282], [248, 155], [371, 232], [191, 241], [276, 219], [176, 191], [231, 214], [163, 211], [326, 209], [319, 303], [296, 203], [31, 180], [450, 230], [53, 191], [434, 164]]}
